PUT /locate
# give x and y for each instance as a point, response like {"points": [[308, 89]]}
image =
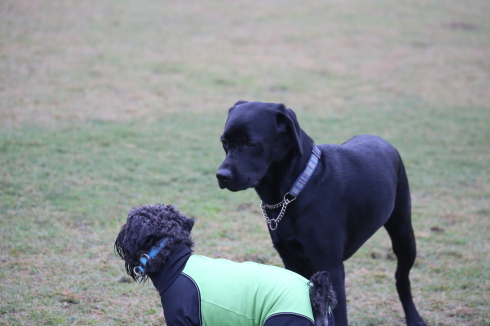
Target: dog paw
{"points": [[417, 323]]}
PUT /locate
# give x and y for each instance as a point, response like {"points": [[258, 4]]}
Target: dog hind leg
{"points": [[399, 227]]}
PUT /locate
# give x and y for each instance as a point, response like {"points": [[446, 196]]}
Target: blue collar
{"points": [[306, 175], [140, 270]]}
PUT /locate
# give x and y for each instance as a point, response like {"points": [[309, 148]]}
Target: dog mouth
{"points": [[237, 186], [233, 188]]}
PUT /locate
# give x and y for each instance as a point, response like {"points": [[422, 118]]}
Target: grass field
{"points": [[105, 105]]}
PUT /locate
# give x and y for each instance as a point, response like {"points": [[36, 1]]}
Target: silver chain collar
{"points": [[293, 192], [274, 222]]}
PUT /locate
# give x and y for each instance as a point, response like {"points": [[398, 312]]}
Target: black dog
{"points": [[195, 290], [344, 194]]}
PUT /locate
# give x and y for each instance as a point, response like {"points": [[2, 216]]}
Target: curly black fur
{"points": [[145, 227], [322, 296]]}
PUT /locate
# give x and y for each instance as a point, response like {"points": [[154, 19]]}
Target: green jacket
{"points": [[247, 293]]}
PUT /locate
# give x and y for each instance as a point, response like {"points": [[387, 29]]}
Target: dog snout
{"points": [[223, 176]]}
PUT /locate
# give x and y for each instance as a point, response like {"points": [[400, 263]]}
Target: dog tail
{"points": [[323, 299]]}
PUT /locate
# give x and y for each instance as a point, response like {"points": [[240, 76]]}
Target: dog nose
{"points": [[223, 175]]}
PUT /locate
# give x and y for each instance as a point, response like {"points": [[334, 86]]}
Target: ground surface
{"points": [[108, 105]]}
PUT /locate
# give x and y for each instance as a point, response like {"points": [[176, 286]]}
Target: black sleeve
{"points": [[182, 303], [286, 319]]}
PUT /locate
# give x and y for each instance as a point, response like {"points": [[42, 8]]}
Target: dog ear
{"points": [[189, 224], [118, 244], [237, 103], [287, 120]]}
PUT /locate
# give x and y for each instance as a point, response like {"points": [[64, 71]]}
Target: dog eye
{"points": [[250, 144]]}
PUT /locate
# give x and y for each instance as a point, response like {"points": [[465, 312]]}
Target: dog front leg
{"points": [[326, 263], [337, 278]]}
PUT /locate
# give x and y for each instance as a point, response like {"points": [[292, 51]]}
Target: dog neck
{"points": [[281, 175], [295, 190], [172, 268], [140, 270]]}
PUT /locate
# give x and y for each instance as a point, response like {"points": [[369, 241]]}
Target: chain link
{"points": [[273, 223]]}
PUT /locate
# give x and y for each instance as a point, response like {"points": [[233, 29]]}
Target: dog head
{"points": [[147, 226], [255, 136]]}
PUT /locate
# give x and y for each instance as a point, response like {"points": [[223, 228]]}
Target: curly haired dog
{"points": [[195, 290]]}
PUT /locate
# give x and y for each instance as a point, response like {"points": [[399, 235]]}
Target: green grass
{"points": [[106, 106]]}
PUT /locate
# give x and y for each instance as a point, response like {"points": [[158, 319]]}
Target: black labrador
{"points": [[354, 189]]}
